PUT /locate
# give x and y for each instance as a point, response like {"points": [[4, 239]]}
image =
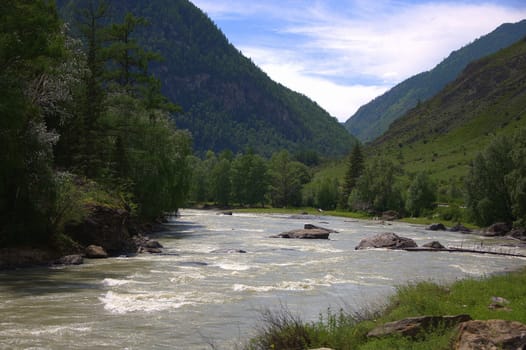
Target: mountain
{"points": [[374, 118], [228, 102], [444, 133]]}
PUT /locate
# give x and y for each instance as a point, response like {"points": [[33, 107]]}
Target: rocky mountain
{"points": [[444, 133], [374, 118], [228, 102]]}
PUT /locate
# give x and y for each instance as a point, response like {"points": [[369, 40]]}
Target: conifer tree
{"points": [[355, 167]]}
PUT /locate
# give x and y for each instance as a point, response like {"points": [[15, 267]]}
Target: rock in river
{"points": [[386, 240], [308, 232]]}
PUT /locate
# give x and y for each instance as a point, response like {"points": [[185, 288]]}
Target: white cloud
{"points": [[344, 53], [337, 99]]}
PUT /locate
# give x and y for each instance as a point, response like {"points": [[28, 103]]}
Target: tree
{"points": [[92, 26], [287, 179], [421, 194], [31, 44], [355, 166], [376, 189], [496, 182], [327, 194], [221, 185], [249, 179]]}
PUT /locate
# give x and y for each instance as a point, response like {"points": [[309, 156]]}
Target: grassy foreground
{"points": [[343, 330]]}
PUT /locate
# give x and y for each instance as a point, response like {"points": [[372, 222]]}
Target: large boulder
{"points": [[518, 233], [73, 259], [24, 257], [106, 227], [390, 215], [491, 334], [386, 240], [95, 252], [460, 228], [498, 229], [413, 326], [436, 227], [308, 232]]}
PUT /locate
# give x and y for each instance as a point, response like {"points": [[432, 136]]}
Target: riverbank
{"points": [[343, 214], [499, 296]]}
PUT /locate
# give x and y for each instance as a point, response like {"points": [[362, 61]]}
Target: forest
{"points": [[83, 122]]}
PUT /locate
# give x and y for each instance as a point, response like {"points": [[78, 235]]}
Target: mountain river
{"points": [[202, 290]]}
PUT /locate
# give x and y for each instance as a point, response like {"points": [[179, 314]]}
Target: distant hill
{"points": [[374, 118], [228, 102], [444, 134]]}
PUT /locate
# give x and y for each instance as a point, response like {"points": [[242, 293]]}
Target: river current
{"points": [[203, 291]]}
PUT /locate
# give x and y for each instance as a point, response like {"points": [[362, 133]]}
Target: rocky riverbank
{"points": [[104, 232]]}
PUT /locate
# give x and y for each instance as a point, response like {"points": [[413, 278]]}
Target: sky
{"points": [[344, 53]]}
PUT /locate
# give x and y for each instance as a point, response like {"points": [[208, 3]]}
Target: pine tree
{"points": [[355, 167]]}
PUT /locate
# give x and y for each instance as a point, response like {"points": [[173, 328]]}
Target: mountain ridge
{"points": [[443, 134], [228, 102], [374, 118]]}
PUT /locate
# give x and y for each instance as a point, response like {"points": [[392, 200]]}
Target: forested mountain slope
{"points": [[228, 102], [445, 133], [374, 118]]}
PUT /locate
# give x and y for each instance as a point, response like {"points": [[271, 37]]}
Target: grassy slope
{"points": [[344, 331], [444, 134]]}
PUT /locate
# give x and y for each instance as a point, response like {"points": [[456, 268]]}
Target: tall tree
{"points": [[377, 188], [355, 166], [287, 179], [496, 182], [30, 45], [249, 179], [92, 25], [421, 194]]}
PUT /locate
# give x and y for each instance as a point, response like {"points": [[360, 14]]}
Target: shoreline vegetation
{"points": [[500, 296]]}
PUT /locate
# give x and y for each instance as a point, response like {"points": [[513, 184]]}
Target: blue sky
{"points": [[344, 53]]}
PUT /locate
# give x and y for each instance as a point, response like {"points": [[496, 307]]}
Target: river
{"points": [[202, 291]]}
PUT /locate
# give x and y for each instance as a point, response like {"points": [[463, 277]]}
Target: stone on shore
{"points": [[498, 229], [73, 259], [95, 252], [491, 334], [413, 326], [387, 240]]}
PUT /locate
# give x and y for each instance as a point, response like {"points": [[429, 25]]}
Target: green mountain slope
{"points": [[444, 134], [374, 118], [228, 102]]}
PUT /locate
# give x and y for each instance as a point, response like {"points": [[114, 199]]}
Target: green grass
{"points": [[348, 331], [302, 210]]}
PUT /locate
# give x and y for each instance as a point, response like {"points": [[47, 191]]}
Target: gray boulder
{"points": [[498, 229], [74, 259], [460, 228], [436, 227], [519, 233], [309, 231], [304, 234], [386, 240]]}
